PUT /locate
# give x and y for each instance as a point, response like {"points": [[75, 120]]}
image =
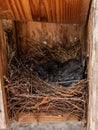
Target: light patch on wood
{"points": [[3, 63], [2, 114]]}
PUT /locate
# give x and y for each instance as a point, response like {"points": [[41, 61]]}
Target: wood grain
{"points": [[46, 118], [3, 65], [93, 67], [28, 33], [57, 11]]}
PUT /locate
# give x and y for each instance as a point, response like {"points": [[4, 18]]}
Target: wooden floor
{"points": [[46, 118]]}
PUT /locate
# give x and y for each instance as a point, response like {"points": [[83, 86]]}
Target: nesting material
{"points": [[43, 51], [28, 92]]}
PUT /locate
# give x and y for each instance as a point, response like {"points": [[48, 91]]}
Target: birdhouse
{"points": [[48, 61]]}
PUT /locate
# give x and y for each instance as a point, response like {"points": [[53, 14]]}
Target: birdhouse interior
{"points": [[44, 60], [46, 72]]}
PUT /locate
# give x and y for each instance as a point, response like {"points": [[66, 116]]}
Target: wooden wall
{"points": [[3, 65], [93, 67], [58, 11], [30, 33]]}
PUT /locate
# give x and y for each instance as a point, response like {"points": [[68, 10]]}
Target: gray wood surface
{"points": [[47, 126]]}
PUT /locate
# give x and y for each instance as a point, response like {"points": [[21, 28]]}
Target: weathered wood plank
{"points": [[93, 67], [3, 63], [28, 33], [46, 118], [58, 11]]}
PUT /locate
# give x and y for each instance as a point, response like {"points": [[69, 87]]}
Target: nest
{"points": [[27, 92], [46, 50]]}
